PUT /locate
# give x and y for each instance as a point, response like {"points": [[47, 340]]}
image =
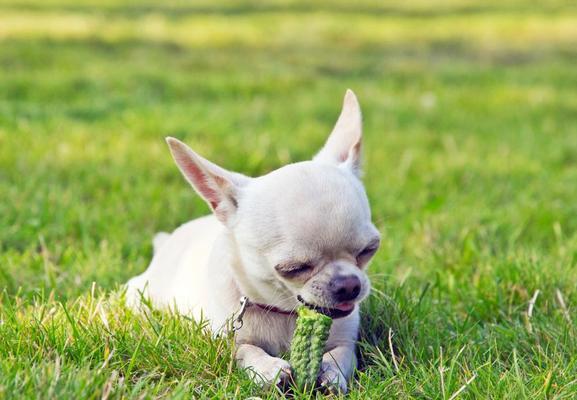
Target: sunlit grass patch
{"points": [[143, 352], [285, 28]]}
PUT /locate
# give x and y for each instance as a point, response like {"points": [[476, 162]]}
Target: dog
{"points": [[300, 234]]}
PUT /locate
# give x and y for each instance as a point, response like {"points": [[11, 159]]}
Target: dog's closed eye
{"points": [[365, 255], [291, 270]]}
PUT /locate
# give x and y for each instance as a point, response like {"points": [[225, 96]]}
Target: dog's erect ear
{"points": [[343, 147], [217, 186]]}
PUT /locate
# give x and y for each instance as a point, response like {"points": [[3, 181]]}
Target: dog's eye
{"points": [[292, 270], [365, 255], [303, 267]]}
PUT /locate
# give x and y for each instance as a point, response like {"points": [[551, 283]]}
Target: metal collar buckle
{"points": [[238, 321]]}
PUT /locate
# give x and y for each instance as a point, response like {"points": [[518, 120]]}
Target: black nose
{"points": [[345, 288]]}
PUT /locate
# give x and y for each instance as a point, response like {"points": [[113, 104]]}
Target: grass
{"points": [[471, 167]]}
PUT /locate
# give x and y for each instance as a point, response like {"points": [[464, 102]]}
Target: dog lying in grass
{"points": [[299, 234]]}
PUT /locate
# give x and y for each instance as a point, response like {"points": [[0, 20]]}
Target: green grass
{"points": [[471, 152]]}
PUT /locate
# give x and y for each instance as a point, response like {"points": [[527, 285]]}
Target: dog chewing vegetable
{"points": [[307, 347]]}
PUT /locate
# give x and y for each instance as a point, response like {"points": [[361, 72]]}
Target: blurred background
{"points": [[470, 123]]}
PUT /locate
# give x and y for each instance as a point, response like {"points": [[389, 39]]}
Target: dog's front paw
{"points": [[272, 371], [332, 380]]}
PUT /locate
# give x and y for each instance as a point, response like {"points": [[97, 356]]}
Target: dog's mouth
{"points": [[338, 311]]}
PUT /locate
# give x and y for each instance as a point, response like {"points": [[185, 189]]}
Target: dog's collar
{"points": [[269, 308], [245, 303]]}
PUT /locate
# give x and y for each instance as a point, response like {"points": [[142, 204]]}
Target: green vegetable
{"points": [[307, 347]]}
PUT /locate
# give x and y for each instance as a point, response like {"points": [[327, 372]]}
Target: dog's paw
{"points": [[272, 371], [332, 380]]}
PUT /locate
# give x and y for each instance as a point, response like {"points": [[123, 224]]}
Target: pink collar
{"points": [[246, 303], [274, 309]]}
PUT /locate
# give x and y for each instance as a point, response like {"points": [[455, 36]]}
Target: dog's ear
{"points": [[343, 147], [217, 186]]}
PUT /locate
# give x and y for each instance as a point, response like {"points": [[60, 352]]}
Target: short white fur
{"points": [[313, 212]]}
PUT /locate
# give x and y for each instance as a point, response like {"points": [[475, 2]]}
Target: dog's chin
{"points": [[340, 310]]}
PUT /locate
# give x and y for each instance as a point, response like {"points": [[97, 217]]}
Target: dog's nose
{"points": [[345, 288]]}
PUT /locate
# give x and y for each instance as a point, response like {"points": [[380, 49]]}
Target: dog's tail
{"points": [[158, 240]]}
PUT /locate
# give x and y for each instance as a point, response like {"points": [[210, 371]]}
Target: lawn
{"points": [[470, 111]]}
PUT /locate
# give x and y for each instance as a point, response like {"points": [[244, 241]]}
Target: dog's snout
{"points": [[345, 288]]}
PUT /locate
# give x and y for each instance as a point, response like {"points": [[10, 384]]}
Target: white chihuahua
{"points": [[300, 234]]}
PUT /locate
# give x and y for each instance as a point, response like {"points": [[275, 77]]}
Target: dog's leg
{"points": [[337, 368], [262, 367]]}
